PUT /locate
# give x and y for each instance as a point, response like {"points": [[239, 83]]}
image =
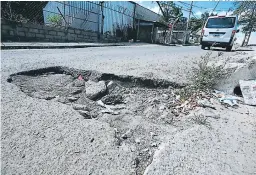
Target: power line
{"points": [[215, 6], [193, 5], [187, 10], [187, 5]]}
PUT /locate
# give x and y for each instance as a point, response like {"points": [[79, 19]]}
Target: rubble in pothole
{"points": [[122, 101], [94, 94], [125, 102]]}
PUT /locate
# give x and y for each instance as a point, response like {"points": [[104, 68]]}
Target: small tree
{"points": [[247, 14], [171, 14]]}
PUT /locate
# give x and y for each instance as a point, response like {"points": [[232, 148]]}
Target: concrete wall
{"points": [[13, 31]]}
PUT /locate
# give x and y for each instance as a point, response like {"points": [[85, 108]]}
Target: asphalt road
{"points": [[172, 63], [145, 60]]}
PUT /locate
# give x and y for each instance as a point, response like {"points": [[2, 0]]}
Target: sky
{"points": [[199, 7]]}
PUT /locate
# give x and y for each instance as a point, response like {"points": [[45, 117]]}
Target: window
{"points": [[226, 22]]}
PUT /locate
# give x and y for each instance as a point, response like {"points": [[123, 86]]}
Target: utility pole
{"points": [[248, 34], [160, 7], [186, 37], [102, 17]]}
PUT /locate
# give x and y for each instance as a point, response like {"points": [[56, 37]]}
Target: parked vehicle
{"points": [[219, 31]]}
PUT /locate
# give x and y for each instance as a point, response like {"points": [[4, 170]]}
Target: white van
{"points": [[219, 31]]}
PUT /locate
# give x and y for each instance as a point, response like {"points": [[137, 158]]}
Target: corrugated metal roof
{"points": [[146, 14]]}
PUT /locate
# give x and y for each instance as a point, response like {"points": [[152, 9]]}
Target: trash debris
{"points": [[154, 144], [144, 150], [227, 99], [80, 107], [116, 131], [152, 134], [71, 98], [248, 89], [137, 140], [109, 111], [205, 103], [133, 148], [99, 102], [127, 134], [80, 77], [165, 96], [85, 114]]}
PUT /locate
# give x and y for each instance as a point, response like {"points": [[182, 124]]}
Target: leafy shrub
{"points": [[55, 20], [205, 76]]}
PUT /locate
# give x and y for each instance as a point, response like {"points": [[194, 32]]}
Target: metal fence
{"points": [[75, 14], [109, 18], [21, 11]]}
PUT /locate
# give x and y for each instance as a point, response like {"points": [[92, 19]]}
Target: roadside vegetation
{"points": [[203, 78], [55, 20]]}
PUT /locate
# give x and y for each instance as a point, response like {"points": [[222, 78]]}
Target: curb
{"points": [[167, 44], [190, 44], [57, 47]]}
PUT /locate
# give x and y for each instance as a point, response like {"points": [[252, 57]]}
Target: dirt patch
{"points": [[120, 101]]}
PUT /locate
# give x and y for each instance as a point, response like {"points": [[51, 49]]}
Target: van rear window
{"points": [[221, 22]]}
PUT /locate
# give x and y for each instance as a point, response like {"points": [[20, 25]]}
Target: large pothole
{"points": [[82, 89], [122, 101]]}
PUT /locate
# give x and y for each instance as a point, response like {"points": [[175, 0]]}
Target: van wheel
{"points": [[203, 47], [229, 48]]}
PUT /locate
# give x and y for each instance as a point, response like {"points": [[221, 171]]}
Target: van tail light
{"points": [[202, 32], [233, 32]]}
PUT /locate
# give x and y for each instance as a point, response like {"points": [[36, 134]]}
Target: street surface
{"points": [[164, 62], [46, 137]]}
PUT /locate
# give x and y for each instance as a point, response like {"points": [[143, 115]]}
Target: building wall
{"points": [[82, 21], [13, 31]]}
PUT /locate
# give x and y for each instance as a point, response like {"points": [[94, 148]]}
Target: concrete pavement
{"points": [[46, 137]]}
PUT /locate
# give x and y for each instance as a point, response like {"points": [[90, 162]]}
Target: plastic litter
{"points": [[248, 89], [227, 99]]}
